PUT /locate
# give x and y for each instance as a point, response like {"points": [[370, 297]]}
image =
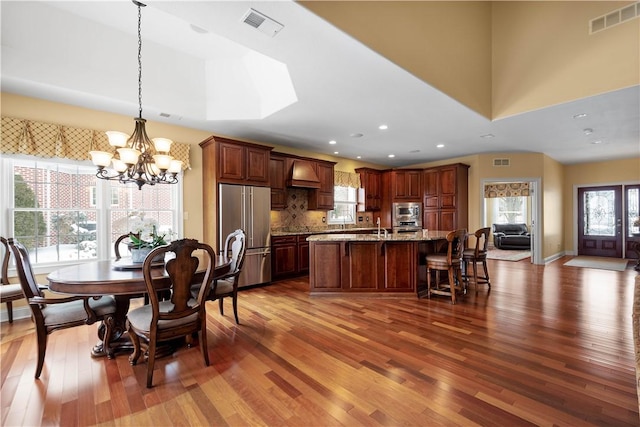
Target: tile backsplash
{"points": [[297, 214]]}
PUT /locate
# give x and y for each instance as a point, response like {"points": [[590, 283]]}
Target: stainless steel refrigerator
{"points": [[248, 208]]}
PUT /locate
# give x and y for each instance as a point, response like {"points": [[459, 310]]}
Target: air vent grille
{"points": [[262, 22], [501, 162], [614, 18]]}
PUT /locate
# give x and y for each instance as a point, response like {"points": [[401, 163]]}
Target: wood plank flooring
{"points": [[548, 345]]}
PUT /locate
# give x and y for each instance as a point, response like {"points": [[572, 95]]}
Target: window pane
{"points": [[599, 213], [49, 218], [344, 212]]}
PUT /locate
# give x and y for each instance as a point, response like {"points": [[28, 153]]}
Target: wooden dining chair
{"points": [[8, 292], [475, 255], [451, 262], [181, 315], [119, 241], [227, 286], [51, 314]]}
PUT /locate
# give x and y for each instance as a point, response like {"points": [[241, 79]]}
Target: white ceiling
{"points": [[85, 53]]}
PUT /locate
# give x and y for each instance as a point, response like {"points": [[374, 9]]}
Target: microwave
{"points": [[406, 216]]}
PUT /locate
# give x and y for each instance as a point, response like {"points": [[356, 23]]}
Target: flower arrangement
{"points": [[636, 222], [144, 233]]}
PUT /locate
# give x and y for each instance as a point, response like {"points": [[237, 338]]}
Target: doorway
{"points": [[600, 221]]}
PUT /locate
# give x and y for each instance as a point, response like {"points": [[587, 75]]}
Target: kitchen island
{"points": [[370, 264]]}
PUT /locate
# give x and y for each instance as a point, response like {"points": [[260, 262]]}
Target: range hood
{"points": [[303, 175]]}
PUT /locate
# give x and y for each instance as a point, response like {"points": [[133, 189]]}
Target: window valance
{"points": [[346, 179], [50, 140], [506, 189]]}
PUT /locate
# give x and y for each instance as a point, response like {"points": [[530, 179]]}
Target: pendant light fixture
{"points": [[135, 159]]}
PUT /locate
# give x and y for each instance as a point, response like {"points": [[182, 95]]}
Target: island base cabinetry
{"points": [[368, 267]]}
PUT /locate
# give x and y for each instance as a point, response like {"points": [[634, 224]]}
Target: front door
{"points": [[600, 221], [632, 214]]}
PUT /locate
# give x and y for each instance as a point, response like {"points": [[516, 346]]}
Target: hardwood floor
{"points": [[547, 346]]}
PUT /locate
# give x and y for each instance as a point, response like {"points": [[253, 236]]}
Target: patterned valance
{"points": [[346, 179], [506, 189], [40, 139]]}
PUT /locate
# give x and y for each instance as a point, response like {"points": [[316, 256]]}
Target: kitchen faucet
{"points": [[378, 222]]}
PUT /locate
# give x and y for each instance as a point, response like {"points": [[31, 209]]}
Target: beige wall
{"points": [[552, 197], [544, 55], [447, 44]]}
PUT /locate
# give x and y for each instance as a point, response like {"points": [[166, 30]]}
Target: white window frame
{"points": [[334, 216], [104, 199]]}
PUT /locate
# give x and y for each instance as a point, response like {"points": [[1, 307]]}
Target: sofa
{"points": [[511, 236]]}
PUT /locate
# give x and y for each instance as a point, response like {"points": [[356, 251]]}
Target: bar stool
{"points": [[476, 255], [451, 262]]}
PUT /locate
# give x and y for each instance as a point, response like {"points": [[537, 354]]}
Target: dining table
{"points": [[124, 280]]}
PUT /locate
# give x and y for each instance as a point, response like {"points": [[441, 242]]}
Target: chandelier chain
{"points": [[139, 61]]}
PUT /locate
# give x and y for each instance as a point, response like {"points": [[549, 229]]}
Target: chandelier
{"points": [[134, 159]]}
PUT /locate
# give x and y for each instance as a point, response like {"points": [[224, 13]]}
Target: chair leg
{"points": [[151, 361], [106, 341], [135, 340], [203, 341], [452, 285], [221, 305], [10, 311], [235, 307], [475, 275], [486, 272], [428, 282], [42, 349]]}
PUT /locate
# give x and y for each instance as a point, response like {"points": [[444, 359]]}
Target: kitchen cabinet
{"points": [[363, 267], [322, 198], [289, 255], [406, 185], [277, 182], [370, 180], [241, 162], [445, 199]]}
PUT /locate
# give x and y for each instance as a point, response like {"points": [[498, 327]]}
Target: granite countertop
{"points": [[294, 231], [391, 237]]}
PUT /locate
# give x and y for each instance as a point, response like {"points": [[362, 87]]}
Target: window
{"points": [[93, 196], [344, 206], [508, 210], [62, 213]]}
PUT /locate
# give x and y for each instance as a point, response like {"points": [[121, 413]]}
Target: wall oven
{"points": [[406, 217]]}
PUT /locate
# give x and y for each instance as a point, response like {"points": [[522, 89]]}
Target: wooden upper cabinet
{"points": [[277, 182], [445, 197], [406, 185], [322, 198], [371, 181], [242, 162]]}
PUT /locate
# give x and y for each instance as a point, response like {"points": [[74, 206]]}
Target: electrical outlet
{"points": [[324, 219], [367, 219], [360, 219]]}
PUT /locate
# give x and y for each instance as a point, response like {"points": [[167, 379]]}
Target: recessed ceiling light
{"points": [[414, 151], [597, 142], [332, 142], [391, 155], [356, 135], [489, 135], [580, 116], [440, 146], [383, 127], [335, 152], [358, 157], [588, 131]]}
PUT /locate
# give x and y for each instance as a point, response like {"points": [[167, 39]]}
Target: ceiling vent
{"points": [[262, 22], [501, 162], [614, 18]]}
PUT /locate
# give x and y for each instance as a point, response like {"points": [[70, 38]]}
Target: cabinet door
{"points": [[284, 260], [372, 191], [325, 257], [276, 180], [303, 254], [362, 269], [322, 198], [399, 266], [430, 219], [230, 161], [257, 165], [448, 188], [406, 185], [448, 220], [430, 183]]}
